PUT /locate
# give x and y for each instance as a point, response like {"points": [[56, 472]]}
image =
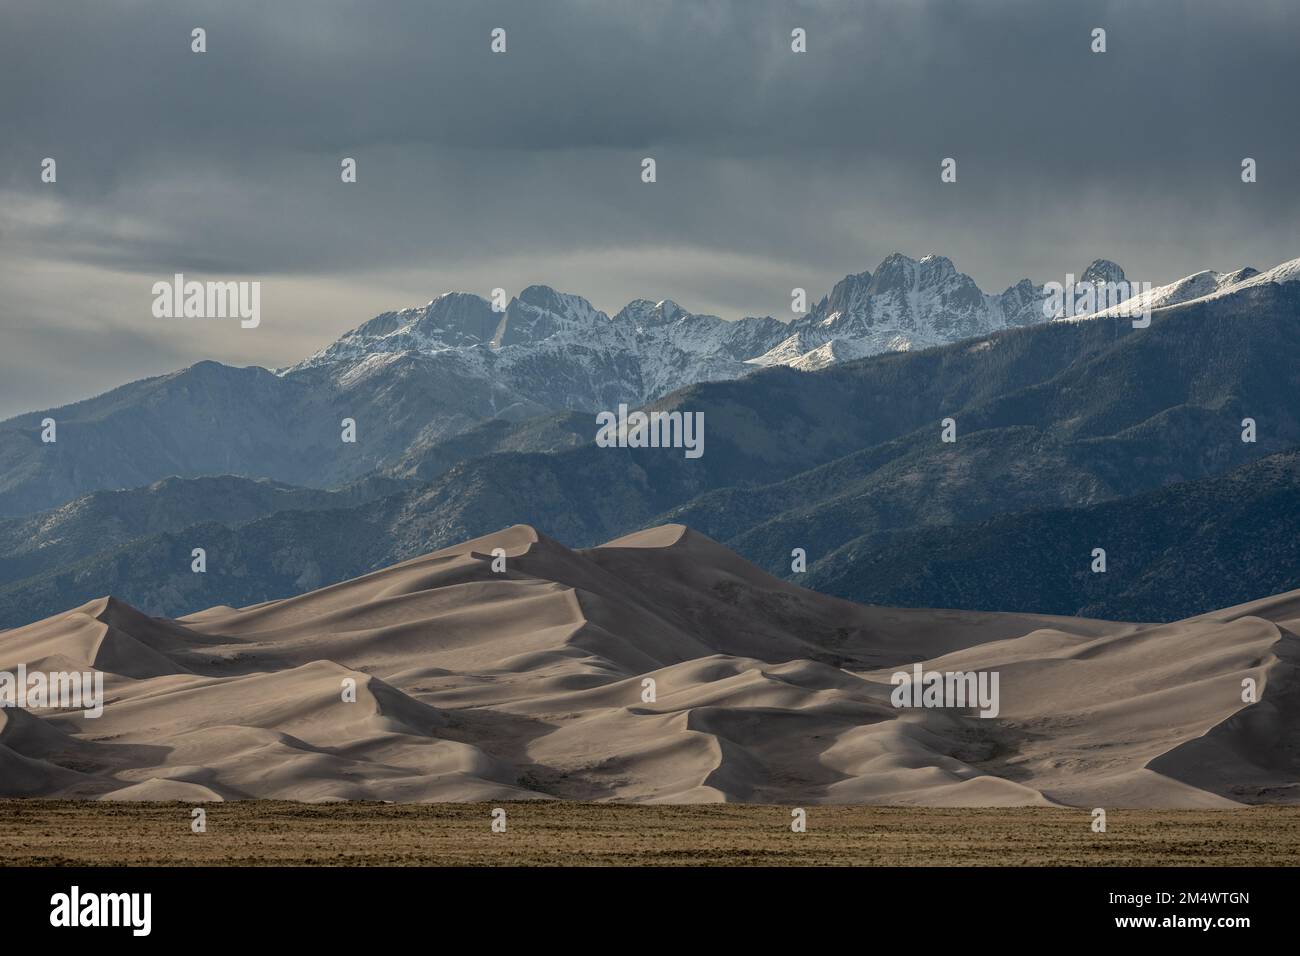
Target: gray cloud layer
{"points": [[477, 170]]}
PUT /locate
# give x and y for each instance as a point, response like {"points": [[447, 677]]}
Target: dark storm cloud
{"points": [[803, 166]]}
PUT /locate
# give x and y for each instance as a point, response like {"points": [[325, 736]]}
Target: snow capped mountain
{"points": [[414, 379], [1184, 290], [907, 304], [555, 349], [550, 350], [559, 351], [453, 320], [1207, 284], [1102, 270]]}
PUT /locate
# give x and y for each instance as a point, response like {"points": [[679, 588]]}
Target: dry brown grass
{"points": [[48, 832]]}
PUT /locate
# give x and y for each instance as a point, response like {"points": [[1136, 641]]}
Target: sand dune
{"points": [[528, 684]]}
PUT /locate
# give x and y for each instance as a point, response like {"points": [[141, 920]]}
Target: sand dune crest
{"points": [[659, 667]]}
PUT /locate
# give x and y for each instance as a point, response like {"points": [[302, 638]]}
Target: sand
{"points": [[473, 686]]}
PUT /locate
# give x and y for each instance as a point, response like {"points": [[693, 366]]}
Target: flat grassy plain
{"points": [[263, 832]]}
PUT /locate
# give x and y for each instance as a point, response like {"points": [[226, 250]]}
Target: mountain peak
{"points": [[1102, 271], [896, 271], [937, 264], [669, 309], [645, 314], [560, 303]]}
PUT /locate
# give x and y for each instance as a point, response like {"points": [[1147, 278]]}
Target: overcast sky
{"points": [[478, 170]]}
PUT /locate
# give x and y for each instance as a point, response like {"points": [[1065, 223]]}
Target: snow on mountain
{"points": [[559, 351], [1207, 284], [1101, 271], [1284, 274], [554, 350], [907, 304], [1184, 290], [453, 320]]}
